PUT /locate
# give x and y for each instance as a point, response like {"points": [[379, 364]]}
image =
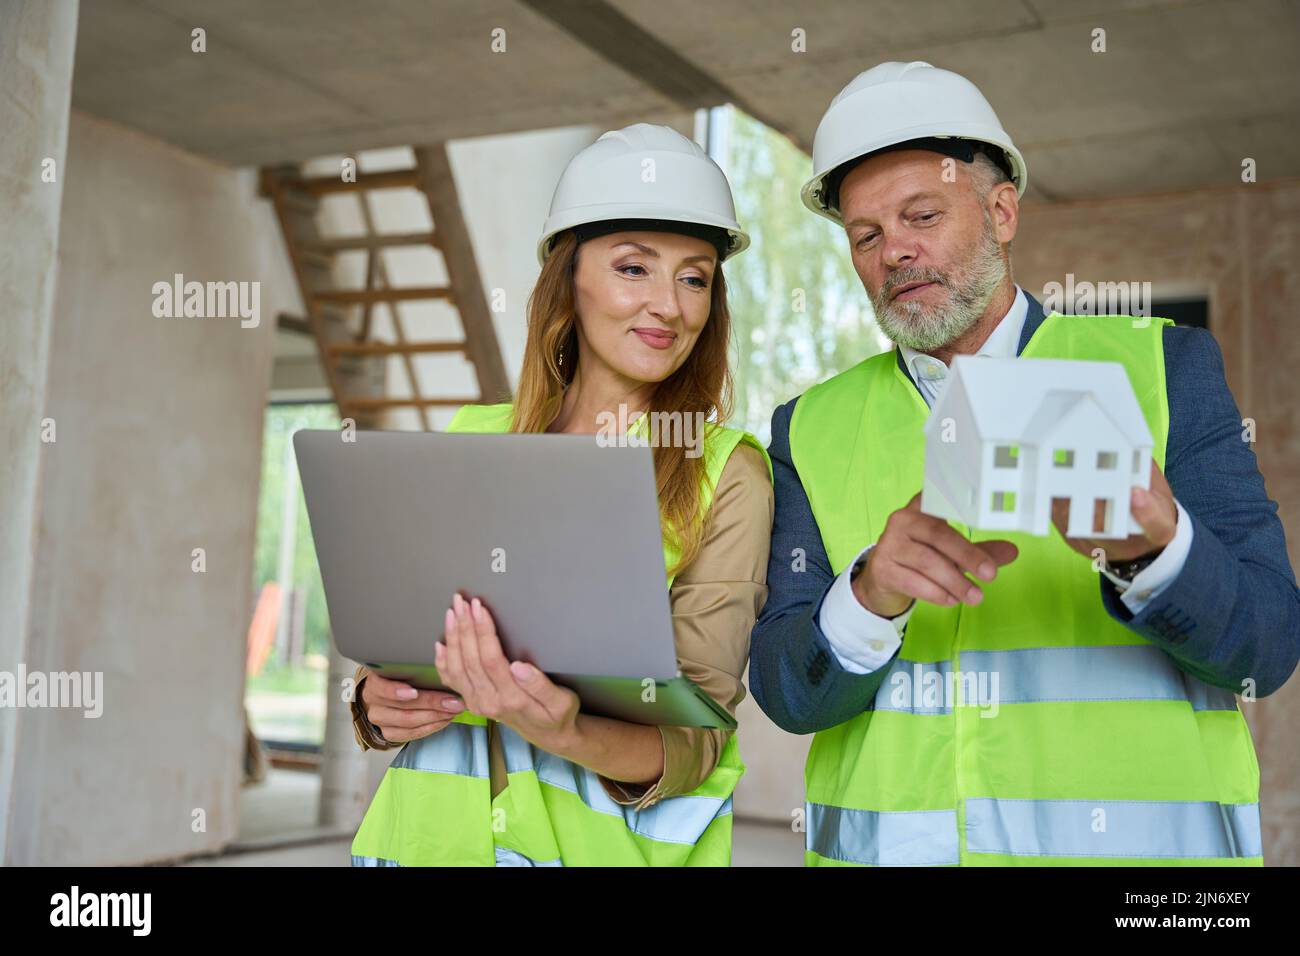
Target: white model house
{"points": [[1007, 436]]}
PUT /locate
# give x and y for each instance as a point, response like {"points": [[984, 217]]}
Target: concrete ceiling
{"points": [[1184, 92]]}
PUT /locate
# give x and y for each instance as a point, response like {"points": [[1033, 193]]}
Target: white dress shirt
{"points": [[864, 642]]}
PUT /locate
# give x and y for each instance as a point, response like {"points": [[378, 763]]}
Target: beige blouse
{"points": [[715, 601]]}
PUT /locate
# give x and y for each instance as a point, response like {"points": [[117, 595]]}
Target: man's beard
{"points": [[925, 328]]}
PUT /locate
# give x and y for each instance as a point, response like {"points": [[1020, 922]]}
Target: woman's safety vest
{"points": [[434, 806], [1032, 728]]}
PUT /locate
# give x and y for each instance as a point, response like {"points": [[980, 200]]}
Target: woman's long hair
{"points": [[703, 384]]}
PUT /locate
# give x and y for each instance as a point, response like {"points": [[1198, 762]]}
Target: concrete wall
{"points": [[1240, 246], [159, 424], [36, 47]]}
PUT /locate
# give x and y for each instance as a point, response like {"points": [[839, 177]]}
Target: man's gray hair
{"points": [[986, 174]]}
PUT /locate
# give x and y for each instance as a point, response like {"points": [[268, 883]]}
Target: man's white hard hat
{"points": [[895, 103], [644, 172]]}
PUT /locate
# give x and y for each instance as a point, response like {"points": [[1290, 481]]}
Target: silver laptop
{"points": [[558, 536]]}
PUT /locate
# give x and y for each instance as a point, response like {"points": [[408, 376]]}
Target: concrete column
{"points": [[345, 784], [37, 39], [147, 507]]}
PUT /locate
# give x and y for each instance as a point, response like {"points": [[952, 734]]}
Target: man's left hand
{"points": [[1154, 511]]}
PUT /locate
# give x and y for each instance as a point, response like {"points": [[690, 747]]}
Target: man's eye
{"points": [[927, 216], [864, 241]]}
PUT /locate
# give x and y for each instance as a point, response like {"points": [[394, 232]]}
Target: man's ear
{"points": [[1004, 209]]}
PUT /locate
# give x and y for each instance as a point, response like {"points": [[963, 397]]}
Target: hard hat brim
{"points": [[607, 211], [811, 192]]}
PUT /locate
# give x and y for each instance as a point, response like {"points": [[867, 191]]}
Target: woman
{"points": [[629, 314]]}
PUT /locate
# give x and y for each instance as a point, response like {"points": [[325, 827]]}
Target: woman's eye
{"points": [[697, 282], [627, 270]]}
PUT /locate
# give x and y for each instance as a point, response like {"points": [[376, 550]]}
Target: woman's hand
{"points": [[402, 713], [516, 694]]}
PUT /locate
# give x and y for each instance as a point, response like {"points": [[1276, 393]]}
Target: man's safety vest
{"points": [[1032, 728], [434, 806]]}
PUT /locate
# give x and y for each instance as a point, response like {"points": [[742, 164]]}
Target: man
{"points": [[981, 700]]}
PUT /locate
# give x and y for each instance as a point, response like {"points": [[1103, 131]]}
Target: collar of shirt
{"points": [[929, 373]]}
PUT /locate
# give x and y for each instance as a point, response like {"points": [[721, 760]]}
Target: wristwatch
{"points": [[858, 565], [1128, 570]]}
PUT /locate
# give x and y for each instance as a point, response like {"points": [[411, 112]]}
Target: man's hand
{"points": [[1155, 512], [921, 556], [402, 713]]}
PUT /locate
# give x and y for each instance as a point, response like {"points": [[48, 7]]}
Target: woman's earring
{"points": [[559, 359]]}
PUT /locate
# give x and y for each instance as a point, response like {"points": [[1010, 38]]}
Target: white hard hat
{"points": [[644, 172], [895, 103]]}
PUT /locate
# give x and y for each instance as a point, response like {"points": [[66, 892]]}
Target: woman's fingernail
{"points": [[521, 670], [407, 693], [452, 705], [476, 608]]}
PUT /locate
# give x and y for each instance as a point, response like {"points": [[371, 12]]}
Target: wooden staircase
{"points": [[341, 320]]}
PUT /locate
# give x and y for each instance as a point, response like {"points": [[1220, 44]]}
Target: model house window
{"points": [[1107, 460], [1137, 462], [1004, 501], [1063, 458], [1006, 456]]}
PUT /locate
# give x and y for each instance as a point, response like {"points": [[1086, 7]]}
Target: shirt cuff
{"points": [[862, 642], [1148, 583]]}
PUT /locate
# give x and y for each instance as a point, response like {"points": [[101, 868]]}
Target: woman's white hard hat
{"points": [[643, 172], [894, 103]]}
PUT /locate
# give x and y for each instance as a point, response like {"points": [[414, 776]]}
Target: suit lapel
{"points": [[1033, 319]]}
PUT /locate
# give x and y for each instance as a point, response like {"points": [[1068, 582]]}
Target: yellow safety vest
{"points": [[1100, 750], [434, 806]]}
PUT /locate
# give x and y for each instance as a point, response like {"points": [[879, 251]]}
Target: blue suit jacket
{"points": [[1232, 613]]}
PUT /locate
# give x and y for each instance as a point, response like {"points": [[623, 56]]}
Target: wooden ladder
{"points": [[340, 320]]}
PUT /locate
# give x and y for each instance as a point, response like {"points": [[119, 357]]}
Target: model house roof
{"points": [[1017, 399]]}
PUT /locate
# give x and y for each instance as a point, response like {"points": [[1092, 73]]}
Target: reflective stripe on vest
{"points": [[1160, 830], [1031, 727], [989, 679], [434, 805], [676, 820]]}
